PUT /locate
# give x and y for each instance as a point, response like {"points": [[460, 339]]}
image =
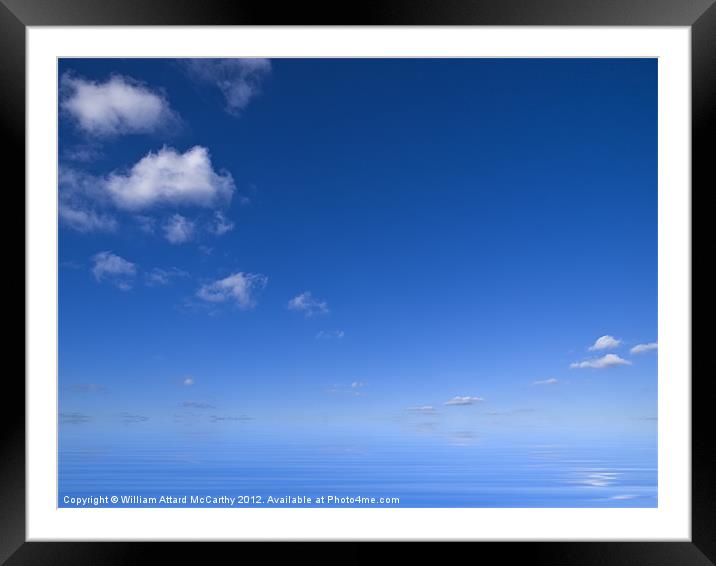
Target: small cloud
{"points": [[306, 304], [158, 277], [357, 384], [168, 177], [605, 343], [197, 405], [550, 381], [606, 361], [623, 497], [466, 400], [85, 220], [221, 225], [330, 334], [238, 287], [178, 229], [239, 80], [643, 348], [111, 267], [121, 105], [188, 381], [81, 197]]}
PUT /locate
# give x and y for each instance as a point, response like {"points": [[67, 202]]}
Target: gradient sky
{"points": [[465, 228]]}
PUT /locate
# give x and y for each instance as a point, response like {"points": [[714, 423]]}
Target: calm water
{"points": [[454, 469]]}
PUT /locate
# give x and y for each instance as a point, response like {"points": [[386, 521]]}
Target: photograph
{"points": [[379, 282]]}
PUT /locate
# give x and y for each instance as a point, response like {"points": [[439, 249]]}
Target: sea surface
{"points": [[253, 467]]}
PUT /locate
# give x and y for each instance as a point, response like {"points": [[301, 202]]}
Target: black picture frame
{"points": [[16, 15]]}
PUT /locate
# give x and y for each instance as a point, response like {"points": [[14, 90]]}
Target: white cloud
{"points": [[238, 79], [111, 267], [171, 178], [86, 220], [159, 276], [467, 400], [357, 384], [79, 196], [606, 361], [306, 304], [238, 287], [221, 224], [329, 334], [163, 180], [178, 230], [188, 381], [120, 105], [642, 348], [605, 343], [550, 381]]}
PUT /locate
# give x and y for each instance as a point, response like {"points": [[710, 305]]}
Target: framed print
{"points": [[418, 275]]}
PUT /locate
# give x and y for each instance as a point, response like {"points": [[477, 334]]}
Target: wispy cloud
{"points": [[239, 80], [605, 342], [306, 304], [188, 381], [549, 381], [330, 334], [111, 267], [178, 229], [85, 219], [606, 361], [464, 400], [643, 348], [159, 277], [81, 199], [121, 105], [240, 288], [220, 224]]}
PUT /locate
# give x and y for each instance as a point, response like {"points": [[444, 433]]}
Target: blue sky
{"points": [[357, 242]]}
